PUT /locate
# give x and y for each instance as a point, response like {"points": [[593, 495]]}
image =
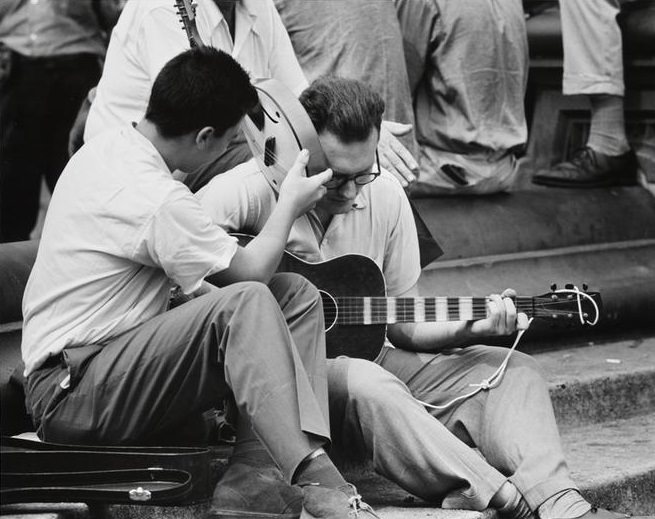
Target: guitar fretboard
{"points": [[381, 310]]}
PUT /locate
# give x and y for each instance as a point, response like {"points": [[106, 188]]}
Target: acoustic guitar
{"points": [[357, 310]]}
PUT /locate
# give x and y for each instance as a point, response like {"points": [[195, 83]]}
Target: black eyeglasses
{"points": [[360, 179]]}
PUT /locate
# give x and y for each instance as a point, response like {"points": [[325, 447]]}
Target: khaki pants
{"points": [[264, 344], [431, 454]]}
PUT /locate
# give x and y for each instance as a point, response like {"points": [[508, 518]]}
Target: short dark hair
{"points": [[345, 107], [197, 88]]}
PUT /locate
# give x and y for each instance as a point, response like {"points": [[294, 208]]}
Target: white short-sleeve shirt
{"points": [[149, 33], [118, 235], [380, 226]]}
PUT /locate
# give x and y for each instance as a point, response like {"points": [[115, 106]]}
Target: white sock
{"points": [[607, 132]]}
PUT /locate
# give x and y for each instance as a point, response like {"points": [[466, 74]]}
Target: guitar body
{"points": [[278, 130], [349, 275]]}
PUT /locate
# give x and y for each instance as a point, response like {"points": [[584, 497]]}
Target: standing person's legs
{"points": [[181, 363], [38, 106], [22, 105], [593, 57], [71, 79], [593, 66], [513, 424]]}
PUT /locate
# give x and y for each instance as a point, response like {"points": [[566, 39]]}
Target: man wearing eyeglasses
{"points": [[372, 404]]}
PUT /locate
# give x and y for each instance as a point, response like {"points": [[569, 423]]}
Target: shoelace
{"points": [[357, 505], [584, 157]]}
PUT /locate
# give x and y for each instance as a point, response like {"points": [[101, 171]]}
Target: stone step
{"points": [[595, 382]]}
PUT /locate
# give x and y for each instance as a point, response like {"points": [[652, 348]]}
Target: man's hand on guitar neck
{"points": [[394, 157], [502, 319]]}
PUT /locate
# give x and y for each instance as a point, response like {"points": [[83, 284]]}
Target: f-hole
{"points": [[269, 151]]}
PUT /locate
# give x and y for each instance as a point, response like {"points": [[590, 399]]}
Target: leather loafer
{"points": [[252, 492], [589, 168]]}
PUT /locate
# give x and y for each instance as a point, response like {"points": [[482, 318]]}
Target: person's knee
{"points": [[372, 385], [243, 293], [288, 285]]}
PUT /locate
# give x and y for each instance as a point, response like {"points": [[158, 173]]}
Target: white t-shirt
{"points": [[118, 235], [380, 226], [149, 33]]}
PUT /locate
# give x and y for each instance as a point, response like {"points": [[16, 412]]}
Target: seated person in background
{"points": [[593, 66], [467, 64], [358, 39], [106, 363], [149, 33], [372, 405]]}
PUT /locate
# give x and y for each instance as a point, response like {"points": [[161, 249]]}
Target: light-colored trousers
{"points": [[265, 344], [430, 454], [593, 54]]}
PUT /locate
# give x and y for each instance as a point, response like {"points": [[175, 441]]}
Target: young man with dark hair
{"points": [[372, 405], [106, 362]]}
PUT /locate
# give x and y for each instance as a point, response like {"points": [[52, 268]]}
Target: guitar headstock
{"points": [[569, 304], [186, 9]]}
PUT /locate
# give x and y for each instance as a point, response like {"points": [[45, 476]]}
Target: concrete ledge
{"points": [[537, 219]]}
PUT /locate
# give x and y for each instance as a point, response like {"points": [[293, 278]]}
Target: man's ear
{"points": [[204, 136]]}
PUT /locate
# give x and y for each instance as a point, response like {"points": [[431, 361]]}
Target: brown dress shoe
{"points": [[255, 493], [328, 503], [589, 168]]}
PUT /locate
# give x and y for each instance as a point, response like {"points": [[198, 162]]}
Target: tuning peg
{"points": [[553, 287], [568, 286], [585, 287]]}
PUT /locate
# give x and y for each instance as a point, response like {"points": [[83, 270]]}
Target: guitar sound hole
{"points": [[330, 310]]}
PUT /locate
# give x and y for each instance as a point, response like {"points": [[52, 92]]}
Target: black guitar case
{"points": [[33, 471]]}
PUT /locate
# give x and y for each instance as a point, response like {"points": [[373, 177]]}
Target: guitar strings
{"points": [[378, 312]]}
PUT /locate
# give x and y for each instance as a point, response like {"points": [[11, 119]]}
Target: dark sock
{"points": [[319, 469], [510, 503]]}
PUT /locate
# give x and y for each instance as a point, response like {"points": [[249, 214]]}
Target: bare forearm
{"points": [[259, 259], [431, 337]]}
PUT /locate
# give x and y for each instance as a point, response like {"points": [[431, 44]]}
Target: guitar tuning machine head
{"points": [[585, 287], [553, 287]]}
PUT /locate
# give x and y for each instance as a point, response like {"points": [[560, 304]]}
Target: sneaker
{"points": [[256, 493], [589, 168], [328, 503]]}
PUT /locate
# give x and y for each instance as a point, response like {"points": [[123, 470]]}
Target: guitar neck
{"points": [[388, 310]]}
